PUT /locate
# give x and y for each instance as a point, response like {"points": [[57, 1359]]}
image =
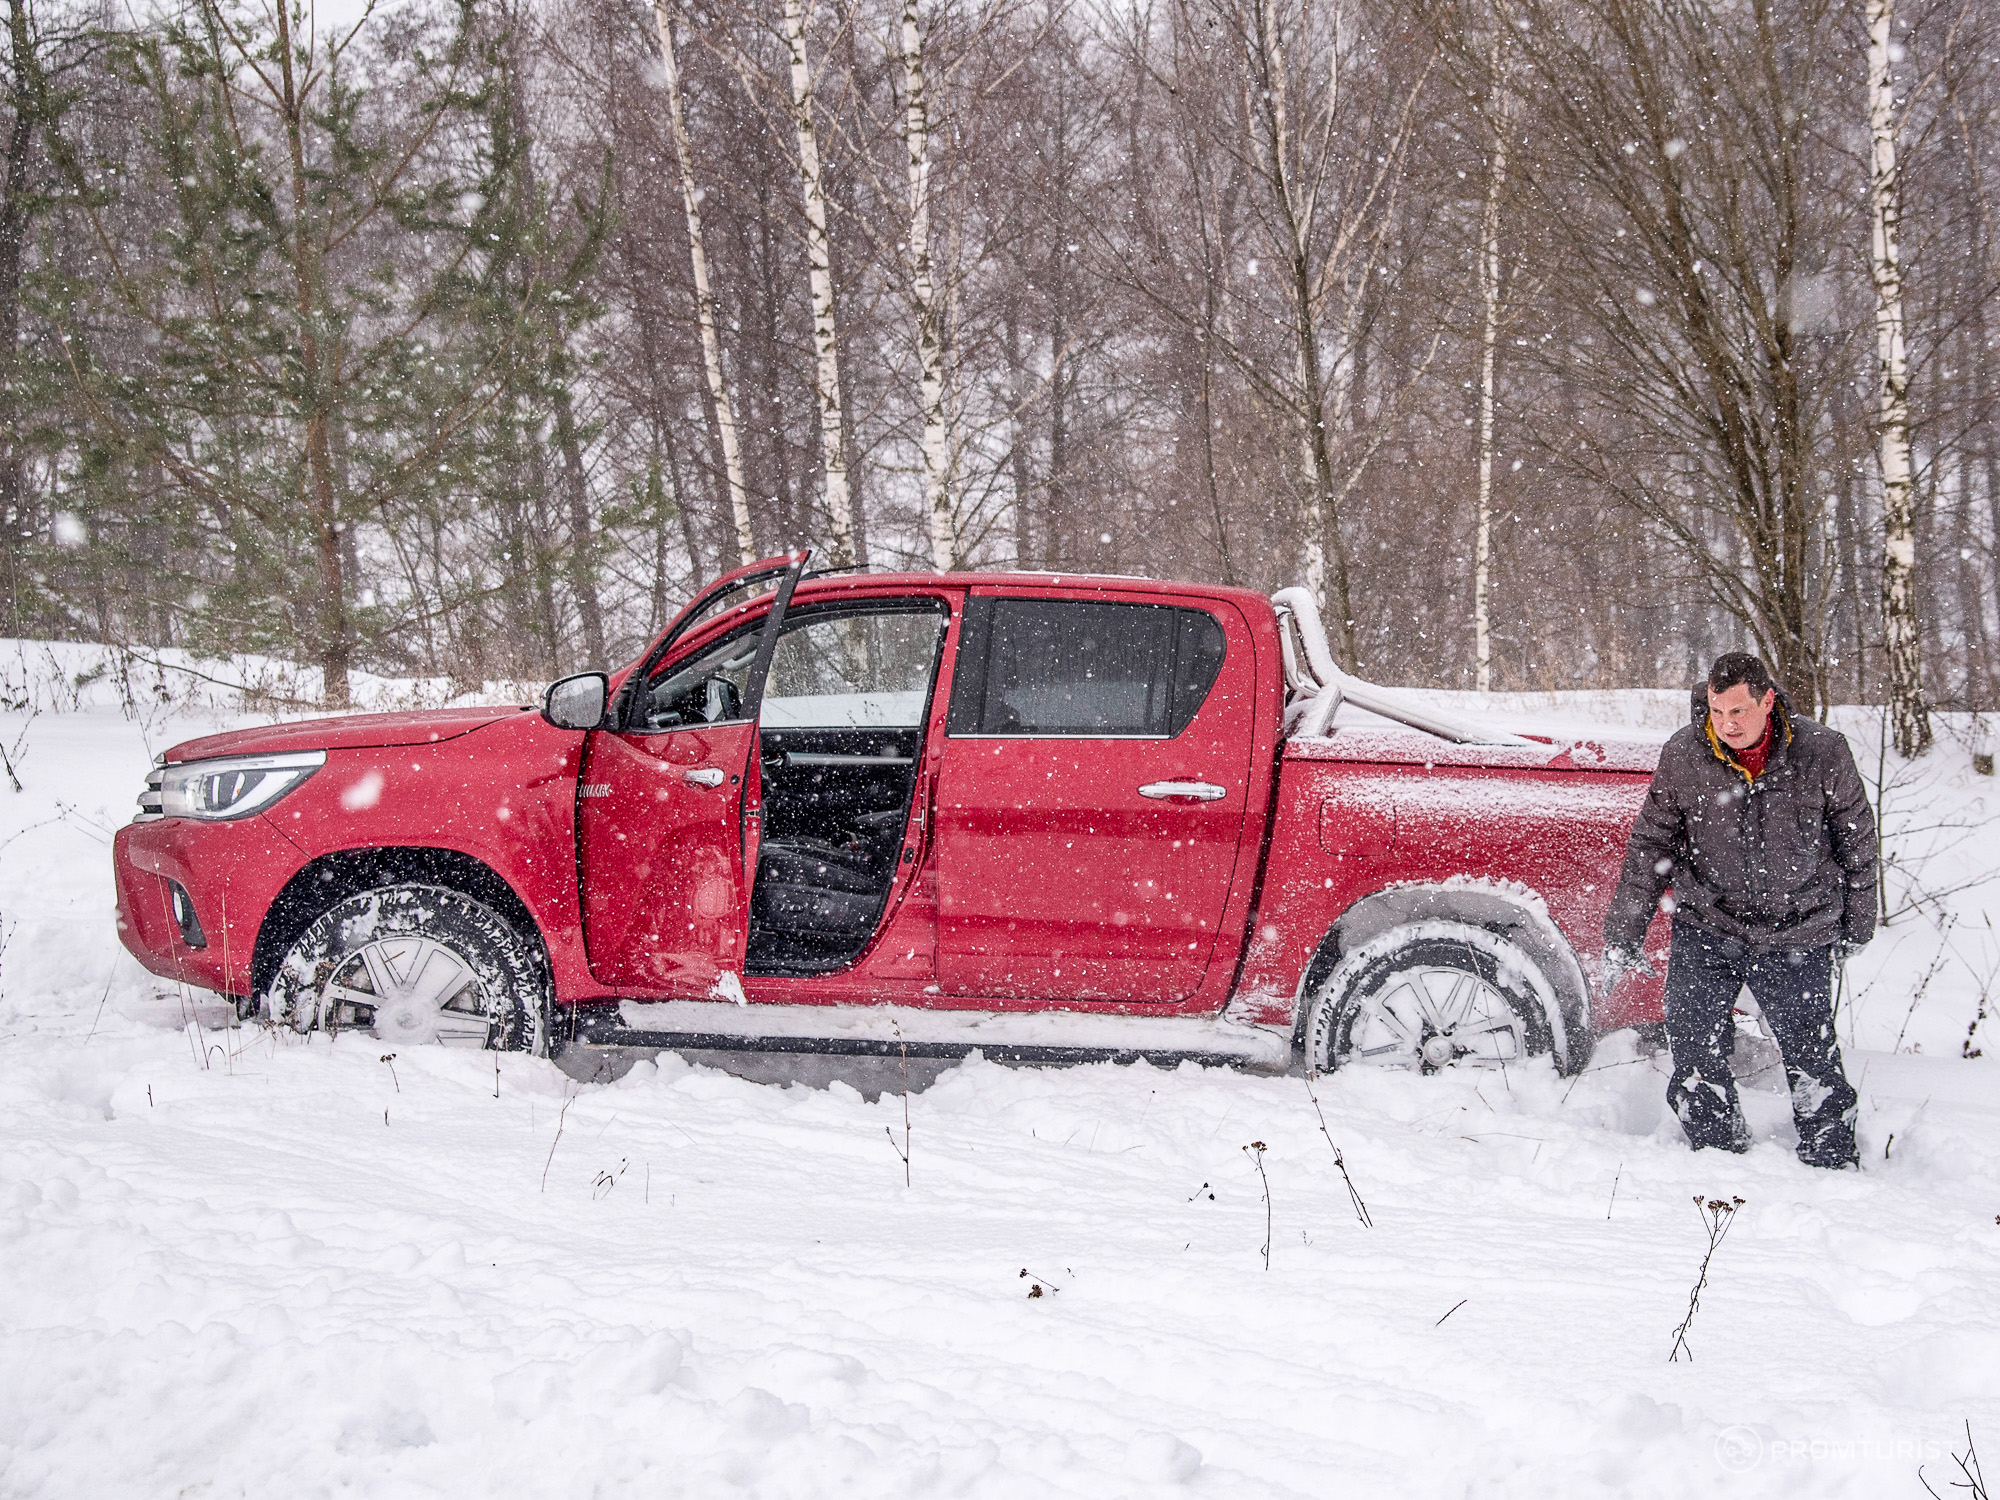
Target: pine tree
{"points": [[304, 375]]}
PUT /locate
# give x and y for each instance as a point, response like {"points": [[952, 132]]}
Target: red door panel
{"points": [[670, 815], [1058, 878], [665, 897]]}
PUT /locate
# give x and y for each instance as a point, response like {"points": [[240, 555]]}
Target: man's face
{"points": [[1738, 716]]}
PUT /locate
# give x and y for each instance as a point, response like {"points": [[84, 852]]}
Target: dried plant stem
{"points": [[560, 1117], [903, 1150], [1974, 1482], [230, 1020], [1339, 1160], [1256, 1150], [1717, 1214], [100, 1008], [1036, 1284]]}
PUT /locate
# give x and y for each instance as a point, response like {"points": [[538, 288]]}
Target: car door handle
{"points": [[705, 776], [1198, 791]]}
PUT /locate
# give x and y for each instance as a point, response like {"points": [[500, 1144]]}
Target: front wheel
{"points": [[1432, 996], [416, 964]]}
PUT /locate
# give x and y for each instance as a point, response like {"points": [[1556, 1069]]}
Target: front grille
{"points": [[150, 805]]}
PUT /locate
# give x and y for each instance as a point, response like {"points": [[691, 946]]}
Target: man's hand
{"points": [[1620, 960], [1845, 949]]}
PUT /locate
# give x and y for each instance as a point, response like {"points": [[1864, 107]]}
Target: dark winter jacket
{"points": [[1786, 860]]}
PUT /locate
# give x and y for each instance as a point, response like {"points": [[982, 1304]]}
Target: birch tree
{"points": [[1908, 717], [819, 266], [704, 294], [33, 99], [923, 293], [1489, 339], [1325, 159]]}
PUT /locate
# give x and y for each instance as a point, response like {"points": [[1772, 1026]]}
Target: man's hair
{"points": [[1734, 667]]}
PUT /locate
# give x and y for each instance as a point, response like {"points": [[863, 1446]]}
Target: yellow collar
{"points": [[1715, 744]]}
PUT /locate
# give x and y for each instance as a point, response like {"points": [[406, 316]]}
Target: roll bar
{"points": [[1320, 687]]}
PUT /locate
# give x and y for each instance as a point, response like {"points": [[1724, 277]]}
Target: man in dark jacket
{"points": [[1758, 822]]}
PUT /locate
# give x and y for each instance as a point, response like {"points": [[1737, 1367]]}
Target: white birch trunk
{"points": [[1909, 717], [819, 265], [1278, 162], [1315, 508], [923, 288], [1489, 340], [704, 298]]}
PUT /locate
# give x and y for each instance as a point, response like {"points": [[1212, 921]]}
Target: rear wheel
{"points": [[412, 965], [1439, 995]]}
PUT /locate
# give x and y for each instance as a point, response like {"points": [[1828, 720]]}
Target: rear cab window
{"points": [[1069, 668]]}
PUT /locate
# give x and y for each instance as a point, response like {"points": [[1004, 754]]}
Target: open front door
{"points": [[671, 813]]}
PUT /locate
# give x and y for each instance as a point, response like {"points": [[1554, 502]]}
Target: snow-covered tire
{"points": [[1434, 995], [454, 971]]}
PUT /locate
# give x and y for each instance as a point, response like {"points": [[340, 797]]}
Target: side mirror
{"points": [[577, 702]]}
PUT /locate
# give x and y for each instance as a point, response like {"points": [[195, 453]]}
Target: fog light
{"points": [[189, 923]]}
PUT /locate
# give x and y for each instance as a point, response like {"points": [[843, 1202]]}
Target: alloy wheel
{"points": [[408, 989], [1429, 1016]]}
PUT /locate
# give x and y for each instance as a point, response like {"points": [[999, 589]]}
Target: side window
{"points": [[853, 669], [709, 688], [1071, 668]]}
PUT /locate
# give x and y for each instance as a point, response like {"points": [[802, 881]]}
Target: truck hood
{"points": [[346, 732]]}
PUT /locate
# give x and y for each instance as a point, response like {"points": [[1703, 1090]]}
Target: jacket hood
{"points": [[345, 732]]}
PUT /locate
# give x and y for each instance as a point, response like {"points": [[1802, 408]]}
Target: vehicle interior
{"points": [[840, 735], [835, 805]]}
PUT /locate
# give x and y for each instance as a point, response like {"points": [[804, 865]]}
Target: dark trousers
{"points": [[1794, 990]]}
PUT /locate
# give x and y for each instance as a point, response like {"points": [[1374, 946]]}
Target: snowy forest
{"points": [[1548, 341]]}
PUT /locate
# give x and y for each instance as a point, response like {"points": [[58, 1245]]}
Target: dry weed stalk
{"points": [[1339, 1160], [903, 1151], [1717, 1214], [561, 1116], [1256, 1151], [1974, 1482]]}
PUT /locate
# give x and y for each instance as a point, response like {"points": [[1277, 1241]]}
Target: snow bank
{"points": [[239, 1263], [300, 1272]]}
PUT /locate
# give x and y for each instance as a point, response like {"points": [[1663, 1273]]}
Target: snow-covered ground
{"points": [[233, 1264]]}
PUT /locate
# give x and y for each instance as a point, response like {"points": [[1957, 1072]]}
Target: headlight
{"points": [[232, 787]]}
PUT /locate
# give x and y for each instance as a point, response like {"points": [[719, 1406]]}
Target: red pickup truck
{"points": [[1044, 817]]}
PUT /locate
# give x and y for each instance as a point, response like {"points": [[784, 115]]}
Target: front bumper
{"points": [[229, 872]]}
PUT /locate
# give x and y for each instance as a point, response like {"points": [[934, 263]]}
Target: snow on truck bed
{"points": [[1555, 739], [243, 1265]]}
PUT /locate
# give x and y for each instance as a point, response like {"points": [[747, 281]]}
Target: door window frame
{"points": [[786, 569], [639, 682]]}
